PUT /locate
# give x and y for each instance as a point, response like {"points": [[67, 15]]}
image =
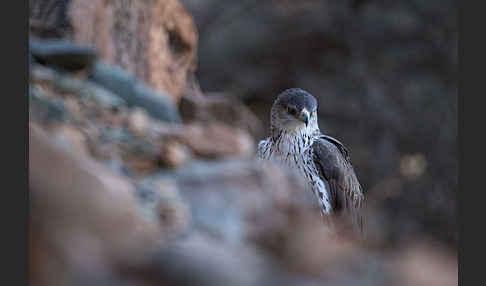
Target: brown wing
{"points": [[345, 192]]}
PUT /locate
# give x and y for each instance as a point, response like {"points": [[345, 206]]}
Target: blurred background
{"points": [[384, 74], [169, 98]]}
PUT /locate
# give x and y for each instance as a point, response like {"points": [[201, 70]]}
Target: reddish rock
{"points": [[140, 164], [84, 218], [153, 40], [174, 154]]}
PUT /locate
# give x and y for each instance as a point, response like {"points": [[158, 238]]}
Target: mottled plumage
{"points": [[322, 160]]}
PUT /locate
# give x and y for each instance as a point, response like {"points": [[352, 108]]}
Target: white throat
{"points": [[295, 141]]}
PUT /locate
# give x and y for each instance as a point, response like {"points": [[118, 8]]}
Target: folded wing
{"points": [[345, 192]]}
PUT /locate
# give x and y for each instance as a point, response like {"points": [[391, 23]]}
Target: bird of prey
{"points": [[295, 140]]}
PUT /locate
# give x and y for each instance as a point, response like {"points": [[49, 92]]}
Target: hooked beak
{"points": [[304, 116]]}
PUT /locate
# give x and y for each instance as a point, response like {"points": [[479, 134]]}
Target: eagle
{"points": [[296, 141]]}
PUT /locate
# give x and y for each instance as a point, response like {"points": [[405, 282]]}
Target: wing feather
{"points": [[345, 192]]}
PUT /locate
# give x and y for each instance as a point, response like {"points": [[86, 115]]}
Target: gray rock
{"points": [[199, 260], [44, 110], [41, 73], [88, 89], [62, 54], [223, 193], [135, 93], [65, 83], [161, 200]]}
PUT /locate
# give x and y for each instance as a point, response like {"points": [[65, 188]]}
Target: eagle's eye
{"points": [[291, 110]]}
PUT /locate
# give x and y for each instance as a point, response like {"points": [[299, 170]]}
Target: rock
{"points": [[73, 107], [157, 104], [141, 164], [154, 41], [174, 154], [214, 140], [113, 117], [71, 138], [230, 198], [262, 205], [68, 83], [88, 89], [45, 110], [138, 121], [161, 201], [219, 108], [139, 154], [62, 54], [208, 263], [41, 74], [84, 219], [173, 215]]}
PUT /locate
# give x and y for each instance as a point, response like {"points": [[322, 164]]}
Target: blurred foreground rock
{"points": [[62, 54], [109, 122], [210, 223], [83, 217], [135, 93], [88, 227]]}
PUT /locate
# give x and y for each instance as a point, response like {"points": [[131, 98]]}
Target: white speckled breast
{"points": [[294, 150]]}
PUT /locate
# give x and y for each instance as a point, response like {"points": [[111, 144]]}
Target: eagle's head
{"points": [[294, 110]]}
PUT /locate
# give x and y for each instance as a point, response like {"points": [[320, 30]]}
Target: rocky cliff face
{"points": [[155, 41], [138, 178]]}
